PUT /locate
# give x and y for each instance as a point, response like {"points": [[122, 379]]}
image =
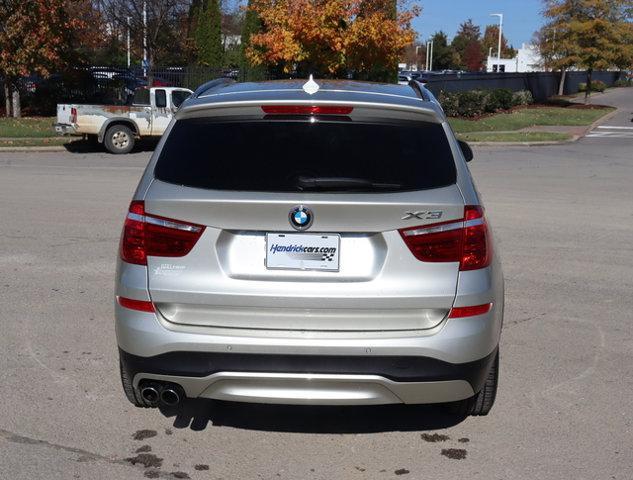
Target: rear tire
{"points": [[119, 139], [132, 395], [482, 402]]}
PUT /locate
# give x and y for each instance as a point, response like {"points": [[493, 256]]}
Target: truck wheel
{"points": [[119, 139], [482, 403], [131, 394]]}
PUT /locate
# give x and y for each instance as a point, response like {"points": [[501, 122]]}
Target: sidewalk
{"points": [[574, 131]]}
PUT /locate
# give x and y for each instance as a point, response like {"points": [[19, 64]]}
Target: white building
{"points": [[528, 59], [231, 41]]}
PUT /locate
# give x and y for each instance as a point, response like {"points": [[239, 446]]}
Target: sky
{"points": [[520, 20]]}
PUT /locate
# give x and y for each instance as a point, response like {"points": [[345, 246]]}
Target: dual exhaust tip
{"points": [[164, 394]]}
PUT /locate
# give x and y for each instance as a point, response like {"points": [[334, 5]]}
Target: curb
{"points": [[524, 144], [600, 121], [52, 148]]}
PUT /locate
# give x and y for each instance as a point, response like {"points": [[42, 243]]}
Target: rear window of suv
{"points": [[299, 155]]}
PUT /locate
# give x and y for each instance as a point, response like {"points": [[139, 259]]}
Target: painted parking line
{"points": [[609, 135], [611, 131]]}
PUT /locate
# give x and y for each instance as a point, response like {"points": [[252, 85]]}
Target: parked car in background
{"points": [[119, 126], [108, 73], [158, 81], [403, 79], [413, 74], [232, 73], [309, 243], [129, 82], [30, 83], [405, 76]]}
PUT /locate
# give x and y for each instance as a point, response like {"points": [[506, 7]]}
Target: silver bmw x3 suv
{"points": [[315, 242]]}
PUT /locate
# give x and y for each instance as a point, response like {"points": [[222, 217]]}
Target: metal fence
{"points": [[542, 85], [114, 85], [186, 77]]}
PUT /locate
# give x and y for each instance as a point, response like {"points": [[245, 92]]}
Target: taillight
{"points": [[150, 235], [477, 248], [73, 115], [465, 241], [307, 109]]}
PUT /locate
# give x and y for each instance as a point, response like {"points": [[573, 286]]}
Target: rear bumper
{"points": [[65, 129], [305, 379], [441, 364]]}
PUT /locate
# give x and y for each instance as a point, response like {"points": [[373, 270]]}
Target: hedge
{"points": [[596, 86], [473, 103]]}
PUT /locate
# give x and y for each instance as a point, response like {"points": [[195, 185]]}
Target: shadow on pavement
{"points": [[197, 414], [90, 146]]}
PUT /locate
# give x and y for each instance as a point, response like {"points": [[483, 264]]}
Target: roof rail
{"points": [[206, 87], [420, 90]]}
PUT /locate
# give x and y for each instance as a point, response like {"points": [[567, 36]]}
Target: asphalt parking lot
{"points": [[563, 220]]}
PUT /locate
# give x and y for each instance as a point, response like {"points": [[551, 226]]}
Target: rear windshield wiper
{"points": [[342, 183]]}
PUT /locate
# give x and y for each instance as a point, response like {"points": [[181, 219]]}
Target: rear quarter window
{"points": [[141, 96], [271, 155], [179, 96]]}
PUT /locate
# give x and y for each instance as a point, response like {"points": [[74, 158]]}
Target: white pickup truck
{"points": [[118, 126]]}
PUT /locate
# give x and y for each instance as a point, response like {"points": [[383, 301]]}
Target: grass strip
{"points": [[27, 127], [36, 142], [531, 117], [514, 137]]}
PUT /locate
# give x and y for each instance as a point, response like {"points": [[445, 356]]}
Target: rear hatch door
{"points": [[359, 182]]}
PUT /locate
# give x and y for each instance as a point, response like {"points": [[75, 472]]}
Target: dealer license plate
{"points": [[304, 251]]}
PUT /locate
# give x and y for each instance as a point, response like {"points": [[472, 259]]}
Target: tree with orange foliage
{"points": [[36, 36], [587, 34], [331, 38]]}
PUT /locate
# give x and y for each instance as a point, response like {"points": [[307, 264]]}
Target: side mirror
{"points": [[466, 150]]}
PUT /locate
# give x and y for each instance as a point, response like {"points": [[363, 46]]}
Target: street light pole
{"points": [[500, 15], [431, 58], [128, 42], [417, 58], [428, 50], [145, 38]]}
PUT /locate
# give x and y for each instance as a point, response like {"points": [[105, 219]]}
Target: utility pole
{"points": [[500, 15], [145, 64], [417, 62], [426, 62], [128, 42]]}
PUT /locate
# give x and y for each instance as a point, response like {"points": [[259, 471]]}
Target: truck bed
{"points": [[90, 118]]}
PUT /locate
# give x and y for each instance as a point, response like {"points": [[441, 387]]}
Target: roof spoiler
{"points": [[420, 90], [213, 84]]}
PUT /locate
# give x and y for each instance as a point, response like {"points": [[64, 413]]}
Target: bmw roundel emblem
{"points": [[300, 218]]}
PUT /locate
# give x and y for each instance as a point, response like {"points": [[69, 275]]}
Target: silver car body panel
{"points": [[454, 340]]}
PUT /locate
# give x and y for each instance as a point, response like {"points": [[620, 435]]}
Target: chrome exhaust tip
{"points": [[150, 395], [169, 397]]}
